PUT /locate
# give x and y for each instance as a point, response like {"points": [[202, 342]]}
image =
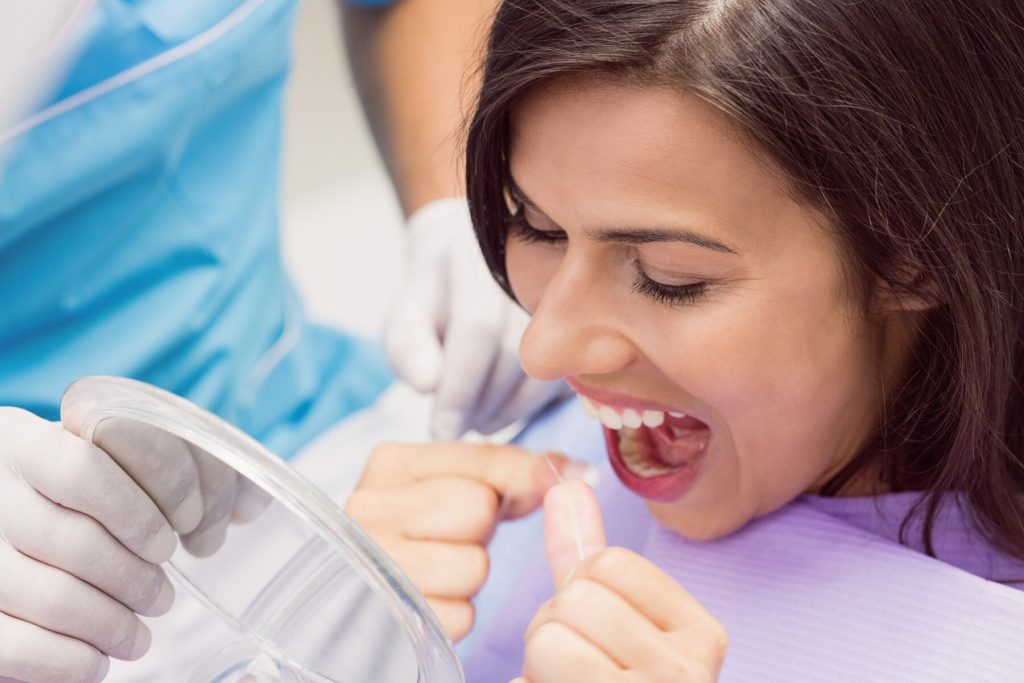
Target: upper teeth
{"points": [[616, 418]]}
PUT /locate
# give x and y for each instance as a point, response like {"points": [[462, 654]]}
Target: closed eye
{"points": [[521, 229], [670, 295]]}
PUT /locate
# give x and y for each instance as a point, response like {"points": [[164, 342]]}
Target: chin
{"points": [[704, 525]]}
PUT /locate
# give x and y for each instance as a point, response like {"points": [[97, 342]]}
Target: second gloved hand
{"points": [[83, 529], [454, 332]]}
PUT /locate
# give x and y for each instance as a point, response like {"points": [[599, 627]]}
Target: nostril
{"points": [[604, 353], [569, 352]]}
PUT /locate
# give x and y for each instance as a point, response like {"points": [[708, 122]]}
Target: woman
{"points": [[777, 249]]}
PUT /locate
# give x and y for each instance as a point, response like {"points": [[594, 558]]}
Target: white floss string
{"points": [[589, 477], [574, 518]]}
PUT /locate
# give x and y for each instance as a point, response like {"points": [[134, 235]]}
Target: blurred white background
{"points": [[342, 227]]}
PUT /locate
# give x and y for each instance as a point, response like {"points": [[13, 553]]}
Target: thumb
{"points": [[573, 529], [412, 345]]}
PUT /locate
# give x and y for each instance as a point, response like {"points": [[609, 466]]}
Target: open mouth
{"points": [[654, 453]]}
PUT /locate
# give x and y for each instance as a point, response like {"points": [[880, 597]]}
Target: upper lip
{"points": [[621, 401]]}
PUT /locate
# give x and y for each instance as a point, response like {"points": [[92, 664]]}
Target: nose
{"points": [[573, 329]]}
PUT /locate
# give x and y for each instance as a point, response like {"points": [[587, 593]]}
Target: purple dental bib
{"points": [[821, 590]]}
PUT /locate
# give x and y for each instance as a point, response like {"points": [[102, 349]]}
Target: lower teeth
{"points": [[633, 450]]}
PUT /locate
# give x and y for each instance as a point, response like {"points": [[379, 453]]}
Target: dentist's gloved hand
{"points": [[454, 332], [82, 530]]}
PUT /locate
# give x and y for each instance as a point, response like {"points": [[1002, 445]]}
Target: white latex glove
{"points": [[454, 332], [37, 41], [82, 530]]}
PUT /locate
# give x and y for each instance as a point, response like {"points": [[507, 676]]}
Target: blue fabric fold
{"points": [[139, 215]]}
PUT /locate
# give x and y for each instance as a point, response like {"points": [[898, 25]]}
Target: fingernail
{"points": [[446, 426], [140, 645], [102, 668], [190, 512], [161, 547], [581, 471], [164, 600], [250, 504], [207, 542]]}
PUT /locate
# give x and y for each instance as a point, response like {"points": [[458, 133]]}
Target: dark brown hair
{"points": [[902, 121]]}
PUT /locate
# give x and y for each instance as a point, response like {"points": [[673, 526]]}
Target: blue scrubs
{"points": [[139, 217]]}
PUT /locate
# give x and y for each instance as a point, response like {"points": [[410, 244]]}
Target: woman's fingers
{"points": [[510, 472], [573, 529], [452, 509], [638, 617], [65, 604], [456, 616], [445, 509], [650, 590], [444, 570], [434, 507], [602, 617], [78, 544], [557, 653], [617, 603]]}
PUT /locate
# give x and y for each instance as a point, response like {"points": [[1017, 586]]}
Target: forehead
{"points": [[599, 149]]}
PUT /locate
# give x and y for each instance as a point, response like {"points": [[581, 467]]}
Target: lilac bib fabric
{"points": [[819, 591]]}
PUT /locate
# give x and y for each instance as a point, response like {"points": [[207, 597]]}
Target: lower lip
{"points": [[662, 489]]}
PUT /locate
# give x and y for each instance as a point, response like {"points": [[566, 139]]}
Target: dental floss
{"points": [[519, 486], [590, 476], [573, 516], [551, 465]]}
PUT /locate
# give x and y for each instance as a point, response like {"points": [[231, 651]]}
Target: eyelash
{"points": [[522, 229], [669, 295]]}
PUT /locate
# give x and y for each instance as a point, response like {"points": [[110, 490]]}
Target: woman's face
{"points": [[697, 307]]}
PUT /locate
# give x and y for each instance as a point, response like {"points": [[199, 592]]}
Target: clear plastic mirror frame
{"points": [[335, 545]]}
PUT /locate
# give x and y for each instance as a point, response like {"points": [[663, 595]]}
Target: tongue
{"points": [[678, 442]]}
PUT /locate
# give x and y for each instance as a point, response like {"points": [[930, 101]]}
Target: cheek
{"points": [[789, 379], [530, 267]]}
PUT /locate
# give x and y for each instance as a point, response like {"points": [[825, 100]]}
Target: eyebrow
{"points": [[635, 235]]}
